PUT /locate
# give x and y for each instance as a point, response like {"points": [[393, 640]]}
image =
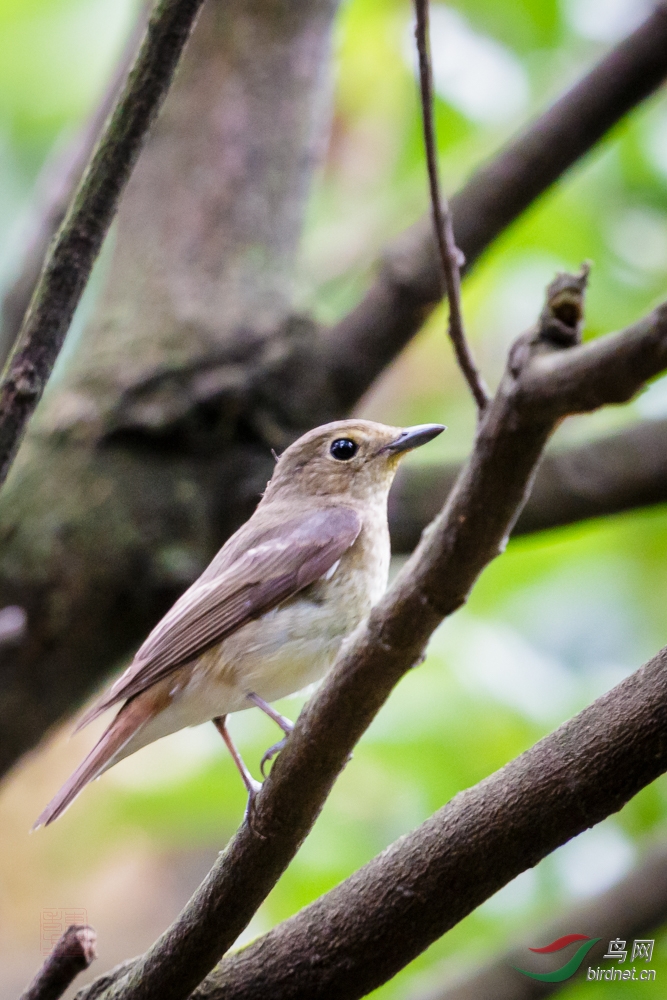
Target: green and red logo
{"points": [[571, 966]]}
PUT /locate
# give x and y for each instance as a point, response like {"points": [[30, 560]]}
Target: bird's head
{"points": [[354, 458]]}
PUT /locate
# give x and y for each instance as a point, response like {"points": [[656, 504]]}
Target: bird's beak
{"points": [[412, 437]]}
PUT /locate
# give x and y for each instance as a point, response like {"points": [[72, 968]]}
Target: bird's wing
{"points": [[279, 564]]}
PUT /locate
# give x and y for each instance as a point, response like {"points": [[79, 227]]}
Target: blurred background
{"points": [[559, 619]]}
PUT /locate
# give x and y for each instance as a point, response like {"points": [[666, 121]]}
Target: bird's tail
{"points": [[131, 718]]}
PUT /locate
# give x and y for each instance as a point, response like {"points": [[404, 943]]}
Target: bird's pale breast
{"points": [[297, 642]]}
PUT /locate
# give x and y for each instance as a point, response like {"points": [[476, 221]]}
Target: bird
{"points": [[269, 614]]}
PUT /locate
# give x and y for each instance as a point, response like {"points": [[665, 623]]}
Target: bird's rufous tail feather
{"points": [[129, 721]]}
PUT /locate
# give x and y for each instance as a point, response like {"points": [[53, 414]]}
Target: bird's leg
{"points": [[279, 719], [252, 786]]}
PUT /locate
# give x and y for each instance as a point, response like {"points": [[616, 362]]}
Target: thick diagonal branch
{"points": [[77, 245], [73, 952], [467, 535]]}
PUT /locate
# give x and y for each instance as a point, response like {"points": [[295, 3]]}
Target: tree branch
{"points": [[632, 908], [73, 952], [75, 249], [435, 581], [364, 931], [620, 472], [408, 286], [450, 255], [55, 189], [197, 382]]}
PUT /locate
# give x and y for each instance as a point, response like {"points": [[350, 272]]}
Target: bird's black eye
{"points": [[343, 449]]}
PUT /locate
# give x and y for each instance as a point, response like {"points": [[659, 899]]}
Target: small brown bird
{"points": [[269, 614]]}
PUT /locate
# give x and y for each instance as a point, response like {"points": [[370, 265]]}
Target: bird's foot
{"points": [[271, 753]]}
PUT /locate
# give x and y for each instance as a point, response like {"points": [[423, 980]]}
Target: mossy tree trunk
{"points": [[150, 445]]}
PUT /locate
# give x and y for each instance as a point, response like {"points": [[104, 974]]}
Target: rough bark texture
{"points": [[153, 442], [633, 908]]}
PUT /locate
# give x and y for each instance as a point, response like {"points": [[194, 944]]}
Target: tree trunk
{"points": [[101, 526]]}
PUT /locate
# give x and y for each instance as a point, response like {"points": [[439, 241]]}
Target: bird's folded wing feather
{"points": [[276, 565]]}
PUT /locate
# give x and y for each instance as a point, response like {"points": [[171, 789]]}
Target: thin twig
{"points": [[73, 952], [408, 285], [450, 255], [75, 249]]}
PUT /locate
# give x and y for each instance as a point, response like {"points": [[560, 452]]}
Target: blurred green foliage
{"points": [[560, 617]]}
